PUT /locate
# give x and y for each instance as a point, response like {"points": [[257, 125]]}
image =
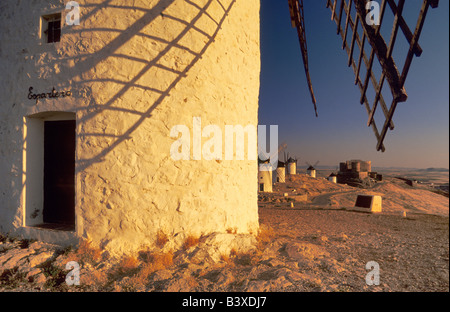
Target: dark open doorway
{"points": [[59, 172]]}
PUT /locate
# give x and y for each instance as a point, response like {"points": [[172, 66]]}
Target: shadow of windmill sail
{"points": [[137, 69]]}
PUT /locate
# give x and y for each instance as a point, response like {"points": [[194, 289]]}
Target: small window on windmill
{"points": [[51, 28]]}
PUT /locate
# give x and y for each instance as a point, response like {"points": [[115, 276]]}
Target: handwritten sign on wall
{"points": [[48, 95]]}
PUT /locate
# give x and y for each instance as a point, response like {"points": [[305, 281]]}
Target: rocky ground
{"points": [[315, 245]]}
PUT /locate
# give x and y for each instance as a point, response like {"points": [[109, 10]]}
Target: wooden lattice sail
{"points": [[341, 13], [298, 22], [383, 51]]}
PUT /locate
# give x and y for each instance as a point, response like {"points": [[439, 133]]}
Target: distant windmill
{"points": [[332, 177], [280, 172], [291, 164], [266, 167], [312, 169]]}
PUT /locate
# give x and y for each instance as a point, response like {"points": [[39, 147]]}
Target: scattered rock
{"points": [[304, 251], [280, 284], [127, 284], [60, 261], [182, 284], [38, 279], [36, 246], [218, 244], [294, 276], [281, 272], [342, 238], [322, 239], [331, 265], [35, 260], [13, 257], [162, 275], [3, 248], [258, 286], [293, 265], [225, 278], [32, 273], [273, 262], [194, 268]]}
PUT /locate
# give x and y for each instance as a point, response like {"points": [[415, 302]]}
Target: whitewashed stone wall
{"points": [[135, 69]]}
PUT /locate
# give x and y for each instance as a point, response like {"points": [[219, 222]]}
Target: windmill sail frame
{"points": [[383, 52], [298, 22]]}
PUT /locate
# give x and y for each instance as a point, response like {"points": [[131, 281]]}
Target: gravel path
{"points": [[413, 252]]}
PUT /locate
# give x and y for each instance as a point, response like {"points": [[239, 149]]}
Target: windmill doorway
{"points": [[49, 175], [59, 172]]}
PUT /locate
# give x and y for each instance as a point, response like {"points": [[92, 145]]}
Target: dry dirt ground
{"points": [[317, 244]]}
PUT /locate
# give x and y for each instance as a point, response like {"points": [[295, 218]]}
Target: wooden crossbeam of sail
{"points": [[298, 22], [380, 51]]}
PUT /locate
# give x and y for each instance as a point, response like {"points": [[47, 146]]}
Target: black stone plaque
{"points": [[364, 201]]}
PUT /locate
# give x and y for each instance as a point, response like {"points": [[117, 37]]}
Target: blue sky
{"points": [[421, 135]]}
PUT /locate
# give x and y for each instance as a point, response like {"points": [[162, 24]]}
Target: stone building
{"points": [[354, 170], [86, 113]]}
